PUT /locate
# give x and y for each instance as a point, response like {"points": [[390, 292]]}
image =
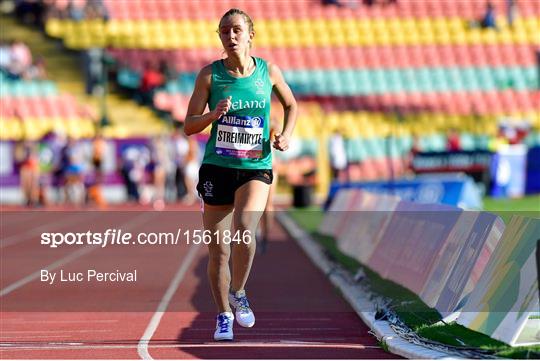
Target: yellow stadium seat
{"points": [[55, 27], [489, 36], [95, 27], [294, 32], [523, 37], [276, 40]]}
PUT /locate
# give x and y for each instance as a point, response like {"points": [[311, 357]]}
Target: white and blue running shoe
{"points": [[224, 327], [244, 314]]}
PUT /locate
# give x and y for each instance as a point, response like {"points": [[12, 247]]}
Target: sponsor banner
{"points": [[413, 239], [453, 190], [353, 199], [436, 251], [449, 256], [6, 158], [508, 171], [367, 223], [460, 263], [459, 161], [533, 171], [335, 215], [507, 291]]}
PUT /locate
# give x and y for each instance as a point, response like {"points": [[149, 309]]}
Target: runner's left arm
{"points": [[290, 108]]}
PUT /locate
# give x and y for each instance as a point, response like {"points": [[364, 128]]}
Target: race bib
{"points": [[240, 136]]}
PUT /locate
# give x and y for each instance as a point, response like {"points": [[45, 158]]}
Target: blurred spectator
{"points": [[186, 160], [57, 142], [98, 153], [96, 9], [60, 165], [29, 174], [338, 156], [95, 192], [332, 2], [180, 147], [161, 165], [168, 72], [514, 131], [134, 161], [379, 2], [37, 70], [16, 61], [30, 11], [73, 173], [21, 59], [151, 80], [489, 19], [75, 11], [93, 69], [5, 55], [511, 12], [453, 143]]}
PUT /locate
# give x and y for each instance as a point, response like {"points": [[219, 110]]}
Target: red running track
{"points": [[168, 313]]}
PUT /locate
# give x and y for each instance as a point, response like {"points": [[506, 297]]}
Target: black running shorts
{"points": [[217, 185]]}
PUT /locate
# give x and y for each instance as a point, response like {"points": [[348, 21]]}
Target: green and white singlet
{"points": [[241, 138]]}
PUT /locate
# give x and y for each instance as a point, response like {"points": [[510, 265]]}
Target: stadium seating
{"points": [[32, 117], [390, 78], [26, 88], [212, 9], [165, 34]]}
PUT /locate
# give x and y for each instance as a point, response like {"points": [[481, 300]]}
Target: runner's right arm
{"points": [[196, 121]]}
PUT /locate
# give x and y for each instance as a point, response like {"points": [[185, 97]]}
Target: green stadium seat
{"points": [[49, 88], [433, 143], [404, 145], [356, 150], [420, 80], [439, 79], [309, 147], [467, 141], [391, 80], [375, 147], [482, 141], [485, 79], [128, 78], [172, 87], [533, 140], [455, 79]]}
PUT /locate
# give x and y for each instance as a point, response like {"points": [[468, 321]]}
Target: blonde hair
{"points": [[235, 11]]}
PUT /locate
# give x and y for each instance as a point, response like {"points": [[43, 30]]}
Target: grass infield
{"points": [[423, 318]]}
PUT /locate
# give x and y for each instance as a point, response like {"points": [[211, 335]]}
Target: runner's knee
{"points": [[219, 254]]}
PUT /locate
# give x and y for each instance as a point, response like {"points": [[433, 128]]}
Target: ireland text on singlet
{"points": [[241, 138]]}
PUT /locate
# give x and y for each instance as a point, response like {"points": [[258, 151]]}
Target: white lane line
{"points": [[280, 344], [30, 233], [29, 216], [70, 257], [23, 321], [142, 347], [277, 329], [9, 338], [33, 276], [51, 331]]}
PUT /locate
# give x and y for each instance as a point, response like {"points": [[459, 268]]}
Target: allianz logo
{"points": [[248, 104]]}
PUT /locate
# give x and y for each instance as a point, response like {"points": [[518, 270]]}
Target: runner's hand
{"points": [[222, 107], [281, 142]]}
